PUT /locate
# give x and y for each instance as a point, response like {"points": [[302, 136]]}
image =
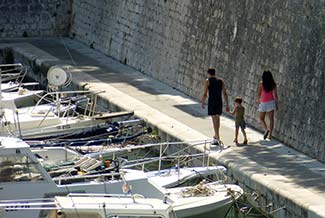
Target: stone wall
{"points": [[25, 18], [176, 41]]}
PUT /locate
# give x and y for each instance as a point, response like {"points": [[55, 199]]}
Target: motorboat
{"points": [[13, 92], [92, 206], [204, 200], [12, 87], [22, 176], [56, 116], [53, 114], [20, 98], [66, 159], [211, 177], [107, 136]]}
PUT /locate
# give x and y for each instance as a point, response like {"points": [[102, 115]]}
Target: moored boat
{"points": [[56, 116], [204, 200], [21, 175], [92, 206]]}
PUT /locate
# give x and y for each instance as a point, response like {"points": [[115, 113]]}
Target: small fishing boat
{"points": [[55, 116], [13, 92], [20, 98]]}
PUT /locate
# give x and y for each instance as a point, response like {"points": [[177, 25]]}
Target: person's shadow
{"points": [[265, 142], [242, 145]]}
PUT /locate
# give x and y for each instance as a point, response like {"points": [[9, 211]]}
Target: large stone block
{"points": [[25, 15]]}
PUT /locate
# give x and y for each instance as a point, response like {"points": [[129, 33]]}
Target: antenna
{"points": [[1, 109]]}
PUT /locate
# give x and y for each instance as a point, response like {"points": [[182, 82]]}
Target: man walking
{"points": [[213, 87]]}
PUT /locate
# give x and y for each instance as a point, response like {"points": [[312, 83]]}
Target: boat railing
{"points": [[183, 150], [131, 196], [187, 145], [53, 203], [98, 195], [63, 102], [178, 157], [142, 162], [13, 72], [91, 176]]}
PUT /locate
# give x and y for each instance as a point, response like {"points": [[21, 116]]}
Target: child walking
{"points": [[239, 112]]}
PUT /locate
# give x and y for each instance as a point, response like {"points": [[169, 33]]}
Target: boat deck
{"points": [[279, 176]]}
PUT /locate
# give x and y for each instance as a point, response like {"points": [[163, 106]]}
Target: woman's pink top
{"points": [[266, 96]]}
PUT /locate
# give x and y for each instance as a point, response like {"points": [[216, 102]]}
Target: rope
{"points": [[200, 189]]}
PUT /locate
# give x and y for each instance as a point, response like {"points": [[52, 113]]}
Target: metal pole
{"points": [[66, 153], [0, 93], [160, 154], [205, 150], [19, 129], [208, 154], [178, 171]]}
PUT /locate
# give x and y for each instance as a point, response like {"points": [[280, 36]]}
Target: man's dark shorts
{"points": [[215, 109]]}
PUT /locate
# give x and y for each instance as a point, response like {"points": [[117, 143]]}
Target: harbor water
{"points": [[243, 212]]}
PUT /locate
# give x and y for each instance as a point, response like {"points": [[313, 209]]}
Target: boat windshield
{"points": [[19, 168]]}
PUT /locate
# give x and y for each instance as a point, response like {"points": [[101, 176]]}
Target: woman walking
{"points": [[267, 98]]}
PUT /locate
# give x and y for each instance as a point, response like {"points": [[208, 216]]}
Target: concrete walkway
{"points": [[277, 175]]}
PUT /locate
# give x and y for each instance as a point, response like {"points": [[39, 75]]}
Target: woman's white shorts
{"points": [[266, 106]]}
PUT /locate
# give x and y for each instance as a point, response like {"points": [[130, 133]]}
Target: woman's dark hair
{"points": [[212, 71], [268, 81]]}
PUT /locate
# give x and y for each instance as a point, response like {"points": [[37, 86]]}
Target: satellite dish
{"points": [[57, 76]]}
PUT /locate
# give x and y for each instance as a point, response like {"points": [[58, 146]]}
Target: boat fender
{"points": [[60, 214]]}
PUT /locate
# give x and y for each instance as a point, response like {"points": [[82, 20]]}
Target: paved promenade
{"points": [[272, 170]]}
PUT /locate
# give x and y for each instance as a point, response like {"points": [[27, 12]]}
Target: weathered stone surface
{"points": [[273, 176], [30, 18], [176, 41]]}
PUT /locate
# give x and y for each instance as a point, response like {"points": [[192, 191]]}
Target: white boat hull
{"points": [[23, 177], [205, 211], [38, 126], [216, 203]]}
